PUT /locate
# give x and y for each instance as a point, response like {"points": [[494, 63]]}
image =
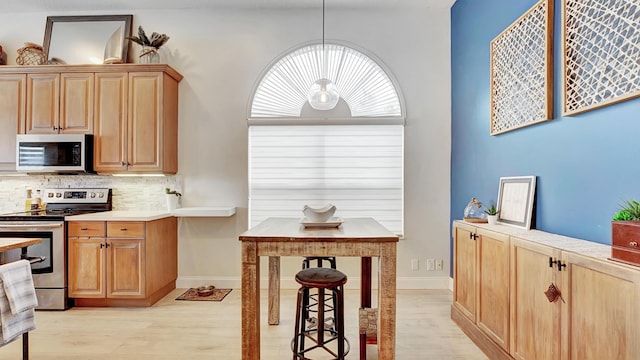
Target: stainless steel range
{"points": [[49, 258]]}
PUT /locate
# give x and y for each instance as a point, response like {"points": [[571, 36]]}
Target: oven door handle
{"points": [[32, 225]]}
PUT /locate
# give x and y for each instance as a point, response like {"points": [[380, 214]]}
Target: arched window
{"points": [[351, 156]]}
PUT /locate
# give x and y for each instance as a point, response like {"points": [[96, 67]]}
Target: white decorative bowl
{"points": [[319, 214]]}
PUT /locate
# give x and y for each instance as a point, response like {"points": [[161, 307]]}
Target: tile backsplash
{"points": [[129, 193]]}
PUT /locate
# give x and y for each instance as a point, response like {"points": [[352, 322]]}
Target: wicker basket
{"points": [[31, 54]]}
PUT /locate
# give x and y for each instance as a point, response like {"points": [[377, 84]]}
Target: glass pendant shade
{"points": [[323, 95]]}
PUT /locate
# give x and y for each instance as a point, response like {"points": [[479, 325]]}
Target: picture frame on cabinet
{"points": [[516, 199], [87, 39]]}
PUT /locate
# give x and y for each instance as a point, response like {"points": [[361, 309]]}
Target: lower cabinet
{"points": [[121, 263], [601, 318], [481, 281], [593, 316], [535, 321]]}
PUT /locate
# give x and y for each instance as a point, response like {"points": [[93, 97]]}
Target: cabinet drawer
{"points": [[125, 229], [625, 255], [86, 228]]}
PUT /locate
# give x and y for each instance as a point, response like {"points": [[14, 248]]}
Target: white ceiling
{"points": [[118, 5]]}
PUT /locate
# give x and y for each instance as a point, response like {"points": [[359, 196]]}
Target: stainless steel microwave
{"points": [[54, 153]]}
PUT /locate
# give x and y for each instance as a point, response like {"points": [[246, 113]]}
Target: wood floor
{"points": [[211, 330]]}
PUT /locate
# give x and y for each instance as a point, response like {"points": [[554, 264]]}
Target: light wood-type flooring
{"points": [[211, 330]]}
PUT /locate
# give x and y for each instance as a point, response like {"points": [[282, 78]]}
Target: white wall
{"points": [[221, 52]]}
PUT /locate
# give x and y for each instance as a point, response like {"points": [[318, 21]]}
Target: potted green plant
{"points": [[492, 214], [173, 198], [625, 233]]}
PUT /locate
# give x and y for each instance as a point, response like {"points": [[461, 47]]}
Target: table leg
{"points": [[387, 302], [274, 290], [250, 301], [365, 298]]}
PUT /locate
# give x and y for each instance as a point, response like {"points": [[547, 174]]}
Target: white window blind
{"points": [[358, 168]]}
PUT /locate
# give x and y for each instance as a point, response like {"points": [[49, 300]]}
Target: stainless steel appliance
{"points": [[48, 259], [54, 153]]}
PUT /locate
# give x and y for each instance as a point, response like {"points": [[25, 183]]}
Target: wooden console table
{"points": [[275, 237]]}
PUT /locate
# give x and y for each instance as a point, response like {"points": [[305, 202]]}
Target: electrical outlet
{"points": [[431, 264], [439, 264], [415, 265]]}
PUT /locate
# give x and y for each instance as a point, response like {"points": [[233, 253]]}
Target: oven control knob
{"points": [[50, 195], [58, 195], [101, 195], [93, 195]]}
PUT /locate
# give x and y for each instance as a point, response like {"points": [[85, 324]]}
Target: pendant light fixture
{"points": [[323, 94]]}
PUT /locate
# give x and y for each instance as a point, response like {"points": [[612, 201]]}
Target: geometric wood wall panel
{"points": [[521, 71], [601, 49]]}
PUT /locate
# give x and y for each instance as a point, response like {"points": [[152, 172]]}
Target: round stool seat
{"points": [[324, 278]]}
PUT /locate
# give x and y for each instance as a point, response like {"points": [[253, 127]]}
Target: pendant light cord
{"points": [[324, 53], [323, 26]]}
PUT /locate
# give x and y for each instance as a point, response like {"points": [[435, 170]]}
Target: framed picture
{"points": [[600, 53], [522, 71], [515, 201]]}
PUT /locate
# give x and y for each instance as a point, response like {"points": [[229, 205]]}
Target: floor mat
{"points": [[192, 295]]}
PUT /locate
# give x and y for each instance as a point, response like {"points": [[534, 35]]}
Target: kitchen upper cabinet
{"points": [[12, 105], [59, 103], [144, 138], [600, 315], [122, 263], [131, 109], [110, 137], [535, 321]]}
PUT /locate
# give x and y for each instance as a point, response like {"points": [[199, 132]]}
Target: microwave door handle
{"points": [[24, 226]]}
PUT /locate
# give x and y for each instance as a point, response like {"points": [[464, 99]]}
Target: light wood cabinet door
{"points": [[76, 103], [600, 316], [12, 103], [464, 286], [86, 261], [43, 103], [144, 129], [535, 322], [126, 264], [492, 299], [110, 122]]}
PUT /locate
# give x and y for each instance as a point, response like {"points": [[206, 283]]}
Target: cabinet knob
{"points": [[101, 245], [122, 163], [84, 229], [551, 262], [633, 244], [123, 229]]}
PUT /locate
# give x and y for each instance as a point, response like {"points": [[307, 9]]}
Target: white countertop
{"points": [[121, 215], [135, 215], [205, 211], [565, 243]]}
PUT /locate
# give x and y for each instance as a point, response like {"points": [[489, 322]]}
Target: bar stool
{"points": [[322, 279], [310, 301]]}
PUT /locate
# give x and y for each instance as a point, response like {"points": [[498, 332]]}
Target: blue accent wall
{"points": [[586, 164]]}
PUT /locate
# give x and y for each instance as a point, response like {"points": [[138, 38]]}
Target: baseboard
{"points": [[234, 282], [490, 348]]}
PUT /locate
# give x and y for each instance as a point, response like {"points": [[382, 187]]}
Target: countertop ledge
{"points": [[121, 215], [205, 211]]}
